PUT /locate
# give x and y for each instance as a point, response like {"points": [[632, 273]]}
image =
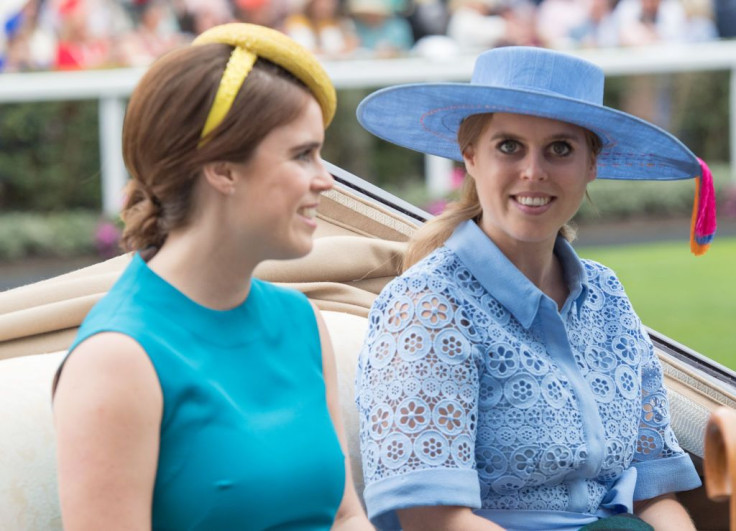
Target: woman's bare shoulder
{"points": [[110, 368]]}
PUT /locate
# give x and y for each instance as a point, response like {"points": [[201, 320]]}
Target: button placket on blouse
{"points": [[559, 349]]}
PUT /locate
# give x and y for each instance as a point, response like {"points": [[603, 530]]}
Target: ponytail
{"points": [[434, 233]]}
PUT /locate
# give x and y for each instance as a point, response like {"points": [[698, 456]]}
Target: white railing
{"points": [[112, 87]]}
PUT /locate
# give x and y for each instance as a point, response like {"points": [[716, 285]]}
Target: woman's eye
{"points": [[508, 146], [304, 155], [561, 149]]}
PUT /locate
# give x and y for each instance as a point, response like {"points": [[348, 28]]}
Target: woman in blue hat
{"points": [[505, 382]]}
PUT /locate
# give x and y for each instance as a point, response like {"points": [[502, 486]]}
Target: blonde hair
{"points": [[435, 232]]}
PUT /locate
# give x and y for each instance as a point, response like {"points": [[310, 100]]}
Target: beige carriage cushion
{"points": [[343, 273], [28, 492], [346, 332]]}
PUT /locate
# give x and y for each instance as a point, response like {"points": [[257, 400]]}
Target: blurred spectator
{"points": [[428, 17], [321, 29], [725, 15], [271, 13], [106, 18], [475, 24], [599, 29], [183, 15], [72, 34], [379, 30], [436, 47], [480, 24], [78, 47], [700, 25], [9, 9], [26, 45], [156, 33], [643, 22], [557, 18], [520, 17], [206, 14]]}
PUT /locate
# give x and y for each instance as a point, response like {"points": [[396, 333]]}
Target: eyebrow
{"points": [[561, 136], [306, 146]]}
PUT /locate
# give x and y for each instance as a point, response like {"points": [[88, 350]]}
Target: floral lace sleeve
{"points": [[662, 465], [417, 387]]}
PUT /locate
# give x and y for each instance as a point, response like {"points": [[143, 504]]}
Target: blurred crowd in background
{"points": [[77, 34]]}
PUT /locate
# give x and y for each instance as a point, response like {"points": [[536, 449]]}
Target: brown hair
{"points": [[163, 124], [435, 232]]}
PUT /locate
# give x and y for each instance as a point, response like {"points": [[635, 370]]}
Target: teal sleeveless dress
{"points": [[246, 437]]}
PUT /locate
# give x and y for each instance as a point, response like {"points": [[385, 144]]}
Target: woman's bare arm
{"points": [[664, 512], [444, 518], [350, 514], [107, 413]]}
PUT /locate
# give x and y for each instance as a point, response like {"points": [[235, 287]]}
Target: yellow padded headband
{"points": [[252, 41]]}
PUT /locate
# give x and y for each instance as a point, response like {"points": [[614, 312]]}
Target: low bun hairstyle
{"points": [[163, 125]]}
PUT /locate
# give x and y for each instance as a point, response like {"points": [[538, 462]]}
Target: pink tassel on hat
{"points": [[704, 224]]}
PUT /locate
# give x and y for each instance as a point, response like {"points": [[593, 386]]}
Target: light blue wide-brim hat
{"points": [[426, 116], [535, 81]]}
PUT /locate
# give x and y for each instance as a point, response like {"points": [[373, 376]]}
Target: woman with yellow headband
{"points": [[196, 396]]}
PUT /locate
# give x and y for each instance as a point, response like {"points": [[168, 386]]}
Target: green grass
{"points": [[690, 299]]}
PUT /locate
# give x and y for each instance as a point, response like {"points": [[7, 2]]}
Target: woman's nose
{"points": [[323, 180], [535, 167]]}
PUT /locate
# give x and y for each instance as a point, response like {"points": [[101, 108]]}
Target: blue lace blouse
{"points": [[474, 390]]}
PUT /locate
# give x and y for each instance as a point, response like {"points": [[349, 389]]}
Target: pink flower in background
{"points": [[437, 206], [457, 177], [107, 237]]}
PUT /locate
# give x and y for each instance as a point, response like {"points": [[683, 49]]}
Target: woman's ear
{"points": [[469, 159], [593, 170], [221, 176]]}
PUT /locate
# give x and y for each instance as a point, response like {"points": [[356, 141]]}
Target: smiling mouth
{"points": [[308, 212], [535, 201]]}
